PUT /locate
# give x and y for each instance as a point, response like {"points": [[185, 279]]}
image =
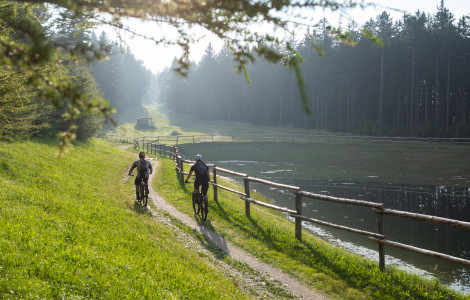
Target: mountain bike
{"points": [[143, 192], [200, 203]]}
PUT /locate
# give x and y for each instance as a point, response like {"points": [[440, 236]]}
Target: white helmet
{"points": [[198, 157]]}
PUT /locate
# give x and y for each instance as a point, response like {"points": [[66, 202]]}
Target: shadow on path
{"points": [[211, 238]]}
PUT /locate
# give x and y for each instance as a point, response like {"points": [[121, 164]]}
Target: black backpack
{"points": [[142, 166], [201, 168]]}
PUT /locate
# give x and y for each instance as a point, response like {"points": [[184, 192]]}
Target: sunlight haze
{"points": [[157, 58]]}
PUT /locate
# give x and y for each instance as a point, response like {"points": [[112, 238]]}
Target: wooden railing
{"points": [[377, 208], [178, 139]]}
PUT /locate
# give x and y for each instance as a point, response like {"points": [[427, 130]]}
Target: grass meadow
{"points": [[70, 229], [270, 237]]}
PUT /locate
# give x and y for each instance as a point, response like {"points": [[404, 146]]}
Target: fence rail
{"points": [[378, 208], [175, 140]]}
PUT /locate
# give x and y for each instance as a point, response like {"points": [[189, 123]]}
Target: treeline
{"points": [[416, 83], [122, 79]]}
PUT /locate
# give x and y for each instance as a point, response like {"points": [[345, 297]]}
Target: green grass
{"points": [[70, 228], [270, 237], [166, 122]]}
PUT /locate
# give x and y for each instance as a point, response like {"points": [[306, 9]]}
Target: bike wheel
{"points": [[195, 204], [145, 199], [146, 195], [204, 208]]}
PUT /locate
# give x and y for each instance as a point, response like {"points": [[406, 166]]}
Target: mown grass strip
{"points": [[70, 228], [270, 237]]}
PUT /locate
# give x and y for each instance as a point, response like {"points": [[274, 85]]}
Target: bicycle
{"points": [[200, 203], [143, 199]]}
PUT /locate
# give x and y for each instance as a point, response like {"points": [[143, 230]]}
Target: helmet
{"points": [[142, 155], [198, 157]]}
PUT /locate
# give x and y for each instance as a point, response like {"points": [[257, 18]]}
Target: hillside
{"points": [[70, 228]]}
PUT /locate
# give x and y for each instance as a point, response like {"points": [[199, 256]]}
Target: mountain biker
{"points": [[202, 176], [144, 169]]}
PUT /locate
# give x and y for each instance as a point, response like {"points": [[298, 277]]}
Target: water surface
{"points": [[448, 202]]}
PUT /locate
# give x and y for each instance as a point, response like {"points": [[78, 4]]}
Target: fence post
{"points": [[143, 143], [380, 230], [214, 175], [164, 150], [247, 192], [298, 222], [147, 147], [182, 169], [177, 138]]}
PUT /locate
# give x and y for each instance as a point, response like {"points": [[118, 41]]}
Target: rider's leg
{"points": [[205, 187], [146, 180], [137, 186]]}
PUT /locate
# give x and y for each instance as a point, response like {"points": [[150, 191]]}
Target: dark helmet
{"points": [[142, 155]]}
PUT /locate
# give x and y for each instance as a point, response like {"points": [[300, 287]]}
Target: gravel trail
{"points": [[288, 283]]}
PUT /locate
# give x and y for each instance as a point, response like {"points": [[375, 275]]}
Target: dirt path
{"points": [[285, 281]]}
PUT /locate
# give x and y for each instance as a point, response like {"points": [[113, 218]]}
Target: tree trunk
{"points": [[412, 99], [381, 93], [448, 94]]}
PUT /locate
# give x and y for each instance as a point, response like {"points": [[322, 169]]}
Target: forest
{"points": [[119, 83], [413, 81]]}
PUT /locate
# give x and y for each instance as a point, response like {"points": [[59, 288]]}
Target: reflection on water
{"points": [[448, 202]]}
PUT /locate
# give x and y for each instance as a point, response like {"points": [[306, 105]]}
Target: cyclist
{"points": [[202, 176], [144, 169]]}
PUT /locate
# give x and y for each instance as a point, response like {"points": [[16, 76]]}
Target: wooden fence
{"points": [[178, 139], [377, 208]]}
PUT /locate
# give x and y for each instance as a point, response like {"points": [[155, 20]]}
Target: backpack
{"points": [[201, 168], [142, 166]]}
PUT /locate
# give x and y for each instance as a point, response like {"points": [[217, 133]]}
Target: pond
{"points": [[448, 202]]}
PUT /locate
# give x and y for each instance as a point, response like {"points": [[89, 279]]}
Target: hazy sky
{"points": [[158, 58]]}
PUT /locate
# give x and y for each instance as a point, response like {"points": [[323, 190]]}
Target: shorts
{"points": [[204, 184], [137, 180]]}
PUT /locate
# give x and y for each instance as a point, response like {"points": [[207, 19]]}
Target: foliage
{"points": [[400, 88], [38, 62], [71, 229], [25, 45], [21, 113], [270, 237]]}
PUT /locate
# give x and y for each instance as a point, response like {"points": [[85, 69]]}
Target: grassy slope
{"points": [[270, 237], [70, 229]]}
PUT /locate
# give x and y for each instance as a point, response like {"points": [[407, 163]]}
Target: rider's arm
{"points": [[134, 165], [150, 167], [189, 175]]}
